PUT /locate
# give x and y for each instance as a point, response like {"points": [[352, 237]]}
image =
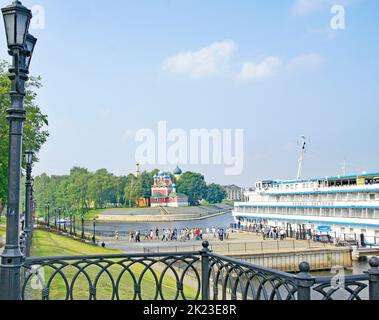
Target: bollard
{"points": [[304, 282], [374, 279], [205, 283]]}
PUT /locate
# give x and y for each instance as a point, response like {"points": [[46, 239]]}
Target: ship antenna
{"points": [[301, 159], [344, 167]]}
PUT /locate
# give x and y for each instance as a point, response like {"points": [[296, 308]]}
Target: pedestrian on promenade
{"points": [[157, 233]]}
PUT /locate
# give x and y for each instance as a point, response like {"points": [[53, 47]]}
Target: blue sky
{"points": [[275, 69]]}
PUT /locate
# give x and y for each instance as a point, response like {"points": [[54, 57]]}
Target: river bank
{"points": [[163, 214]]}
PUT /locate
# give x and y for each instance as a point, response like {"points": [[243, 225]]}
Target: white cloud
{"points": [[208, 61], [273, 66], [305, 62], [267, 68]]}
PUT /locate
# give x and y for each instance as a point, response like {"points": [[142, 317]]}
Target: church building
{"points": [[164, 193]]}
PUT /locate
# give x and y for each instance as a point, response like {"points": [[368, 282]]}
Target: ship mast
{"points": [[301, 159], [344, 168]]}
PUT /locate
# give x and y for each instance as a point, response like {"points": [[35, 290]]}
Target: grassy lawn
{"points": [[2, 231], [2, 236], [48, 244]]}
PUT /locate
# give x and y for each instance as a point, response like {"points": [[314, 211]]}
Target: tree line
{"points": [[82, 189]]}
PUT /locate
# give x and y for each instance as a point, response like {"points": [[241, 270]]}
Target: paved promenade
{"points": [[246, 243]]}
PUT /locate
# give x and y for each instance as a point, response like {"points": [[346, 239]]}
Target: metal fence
{"points": [[195, 275], [268, 246]]}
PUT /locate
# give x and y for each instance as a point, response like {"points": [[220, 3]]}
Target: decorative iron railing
{"points": [[184, 276]]}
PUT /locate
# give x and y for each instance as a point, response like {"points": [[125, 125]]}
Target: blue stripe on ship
{"points": [[304, 207], [322, 192], [308, 220]]}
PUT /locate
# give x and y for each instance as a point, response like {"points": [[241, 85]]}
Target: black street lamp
{"points": [[74, 224], [55, 218], [71, 223], [16, 20], [48, 214], [28, 192], [94, 231], [59, 219], [82, 223], [64, 219]]}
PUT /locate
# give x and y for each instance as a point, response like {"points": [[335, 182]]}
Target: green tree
{"points": [[35, 134], [193, 185], [133, 189], [215, 193], [101, 188], [146, 182]]}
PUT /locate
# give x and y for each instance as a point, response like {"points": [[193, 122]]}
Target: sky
{"points": [[275, 69]]}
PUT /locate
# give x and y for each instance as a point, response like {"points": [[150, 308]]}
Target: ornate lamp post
{"points": [[17, 20], [28, 193], [64, 219], [82, 223], [75, 225], [70, 223], [94, 231], [48, 214], [59, 219]]}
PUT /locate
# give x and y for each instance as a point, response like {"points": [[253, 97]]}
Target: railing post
{"points": [[374, 279], [205, 283], [304, 282]]}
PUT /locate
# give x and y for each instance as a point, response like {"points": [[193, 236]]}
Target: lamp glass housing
{"points": [[29, 157], [29, 46], [17, 20]]}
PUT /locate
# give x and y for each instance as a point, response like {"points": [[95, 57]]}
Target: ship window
{"points": [[352, 230], [363, 230], [372, 196]]}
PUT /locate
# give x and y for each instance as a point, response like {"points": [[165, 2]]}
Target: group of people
{"points": [[183, 234], [273, 233]]}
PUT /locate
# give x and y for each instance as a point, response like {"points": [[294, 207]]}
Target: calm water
{"points": [[219, 221], [358, 268]]}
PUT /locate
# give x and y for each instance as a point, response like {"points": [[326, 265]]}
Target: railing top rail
{"points": [[34, 260], [253, 266], [349, 278]]}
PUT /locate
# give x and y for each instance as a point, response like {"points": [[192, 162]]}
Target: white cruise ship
{"points": [[347, 207]]}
